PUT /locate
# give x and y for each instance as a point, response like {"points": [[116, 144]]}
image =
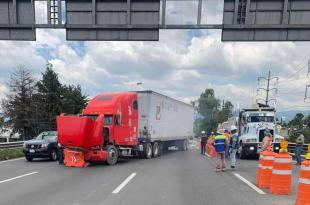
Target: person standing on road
{"points": [[266, 141], [299, 143], [220, 147], [234, 142], [227, 135], [60, 153], [203, 142]]}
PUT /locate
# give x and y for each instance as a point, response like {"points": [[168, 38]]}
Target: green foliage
{"points": [[211, 111], [10, 153], [18, 105], [49, 95], [299, 122], [72, 100], [32, 106]]}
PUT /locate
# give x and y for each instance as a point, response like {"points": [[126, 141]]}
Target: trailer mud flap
{"points": [[74, 158]]}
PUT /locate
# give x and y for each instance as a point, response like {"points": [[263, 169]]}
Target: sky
{"points": [[182, 64]]}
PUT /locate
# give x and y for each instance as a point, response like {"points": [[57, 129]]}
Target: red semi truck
{"points": [[114, 125]]}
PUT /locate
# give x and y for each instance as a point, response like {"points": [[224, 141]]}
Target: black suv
{"points": [[43, 146]]}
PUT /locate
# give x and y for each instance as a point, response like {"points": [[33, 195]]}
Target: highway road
{"points": [[181, 178]]}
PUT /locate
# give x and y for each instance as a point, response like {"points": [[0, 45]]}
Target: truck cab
{"points": [[252, 125]]}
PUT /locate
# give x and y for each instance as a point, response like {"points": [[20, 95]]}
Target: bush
{"points": [[11, 153]]}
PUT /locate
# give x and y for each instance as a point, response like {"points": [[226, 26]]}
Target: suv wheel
{"points": [[29, 159], [53, 155]]}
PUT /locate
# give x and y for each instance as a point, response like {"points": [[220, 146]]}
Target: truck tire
{"points": [[53, 155], [148, 150], [241, 152], [112, 154], [156, 149]]}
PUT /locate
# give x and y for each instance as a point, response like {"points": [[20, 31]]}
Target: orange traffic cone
{"points": [[281, 179], [265, 169], [303, 193]]}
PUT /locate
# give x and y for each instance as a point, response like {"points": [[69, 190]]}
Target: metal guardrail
{"points": [[291, 148], [5, 145]]}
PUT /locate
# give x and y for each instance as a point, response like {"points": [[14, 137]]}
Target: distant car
{"points": [[43, 146]]}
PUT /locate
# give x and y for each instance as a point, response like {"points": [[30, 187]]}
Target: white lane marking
{"points": [[124, 183], [258, 190], [11, 160], [24, 175]]}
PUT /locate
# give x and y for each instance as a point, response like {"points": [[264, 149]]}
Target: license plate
{"points": [[31, 151]]}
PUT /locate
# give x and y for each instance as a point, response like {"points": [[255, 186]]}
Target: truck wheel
{"points": [[53, 155], [112, 154], [29, 159], [148, 150], [241, 152], [156, 149]]}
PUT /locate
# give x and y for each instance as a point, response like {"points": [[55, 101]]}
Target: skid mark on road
{"points": [[124, 183], [258, 190], [14, 178]]}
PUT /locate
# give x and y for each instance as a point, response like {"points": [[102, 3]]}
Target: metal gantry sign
{"points": [[262, 20], [141, 20]]}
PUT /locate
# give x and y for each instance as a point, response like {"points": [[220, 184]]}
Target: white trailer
{"points": [[164, 119]]}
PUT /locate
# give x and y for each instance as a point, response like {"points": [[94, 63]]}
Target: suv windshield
{"points": [[47, 135]]}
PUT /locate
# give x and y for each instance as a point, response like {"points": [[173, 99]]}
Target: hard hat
{"points": [[233, 127], [203, 132]]}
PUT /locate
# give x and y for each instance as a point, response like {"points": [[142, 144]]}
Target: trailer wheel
{"points": [[148, 150], [112, 154], [156, 149]]}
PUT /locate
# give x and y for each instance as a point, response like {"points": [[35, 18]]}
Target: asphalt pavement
{"points": [[177, 177]]}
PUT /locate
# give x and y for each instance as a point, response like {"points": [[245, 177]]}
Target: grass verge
{"points": [[11, 153]]}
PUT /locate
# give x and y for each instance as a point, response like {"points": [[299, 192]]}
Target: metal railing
{"points": [[291, 148], [5, 145]]}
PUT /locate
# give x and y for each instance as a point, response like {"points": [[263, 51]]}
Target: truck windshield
{"points": [[108, 119], [261, 119]]}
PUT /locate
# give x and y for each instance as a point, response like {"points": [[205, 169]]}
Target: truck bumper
{"points": [[250, 149]]}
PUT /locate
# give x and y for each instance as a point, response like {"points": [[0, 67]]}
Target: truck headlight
{"points": [[24, 145]]}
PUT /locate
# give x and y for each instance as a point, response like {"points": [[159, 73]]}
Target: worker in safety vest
{"points": [[220, 147]]}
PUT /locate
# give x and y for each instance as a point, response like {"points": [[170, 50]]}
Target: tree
{"points": [[18, 105], [209, 109], [72, 99], [49, 98], [297, 121]]}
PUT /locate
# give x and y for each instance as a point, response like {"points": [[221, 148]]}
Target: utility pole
{"points": [[267, 89]]}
